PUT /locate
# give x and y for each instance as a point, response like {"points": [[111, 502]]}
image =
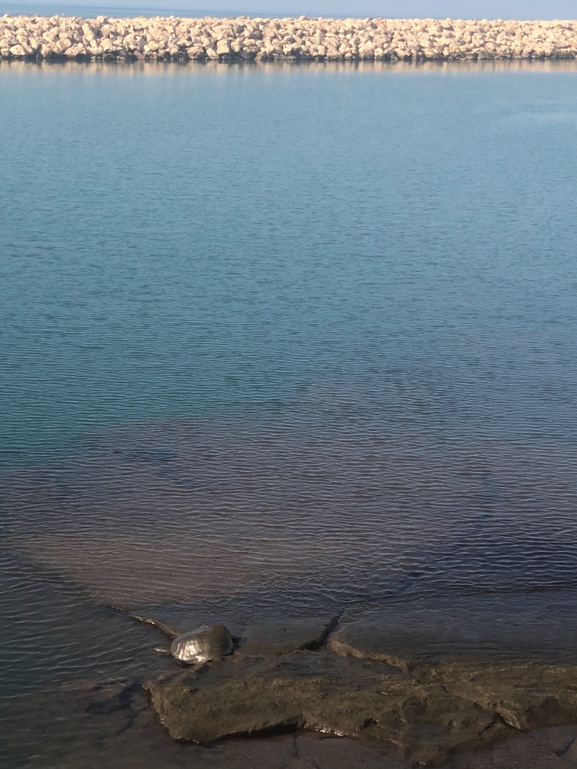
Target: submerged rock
{"points": [[174, 621], [101, 697], [206, 643], [268, 638], [274, 638], [513, 628]]}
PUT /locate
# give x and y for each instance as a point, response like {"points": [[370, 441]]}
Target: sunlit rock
{"points": [[300, 39]]}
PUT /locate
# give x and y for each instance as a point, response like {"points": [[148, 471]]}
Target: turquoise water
{"points": [[201, 241], [278, 336]]}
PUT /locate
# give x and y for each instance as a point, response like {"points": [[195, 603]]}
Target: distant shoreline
{"points": [[247, 39]]}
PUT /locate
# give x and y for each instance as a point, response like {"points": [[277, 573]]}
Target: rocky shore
{"points": [[303, 39], [417, 703]]}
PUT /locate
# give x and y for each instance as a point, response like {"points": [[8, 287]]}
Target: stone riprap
{"points": [[302, 39]]}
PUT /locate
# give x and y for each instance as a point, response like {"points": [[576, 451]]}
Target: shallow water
{"points": [[278, 341]]}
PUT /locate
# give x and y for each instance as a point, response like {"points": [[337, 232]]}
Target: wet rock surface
{"points": [[125, 735], [421, 688], [418, 722], [549, 748], [419, 719], [109, 723], [302, 39]]}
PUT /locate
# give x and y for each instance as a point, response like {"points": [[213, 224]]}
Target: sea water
{"points": [[274, 340]]}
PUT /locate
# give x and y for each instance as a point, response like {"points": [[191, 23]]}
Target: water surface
{"points": [[275, 341]]}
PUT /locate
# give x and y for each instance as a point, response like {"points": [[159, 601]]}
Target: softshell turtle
{"points": [[209, 642]]}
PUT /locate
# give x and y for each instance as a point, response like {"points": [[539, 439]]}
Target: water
{"points": [[274, 340]]}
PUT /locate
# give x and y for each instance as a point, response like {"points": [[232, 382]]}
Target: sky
{"points": [[466, 9]]}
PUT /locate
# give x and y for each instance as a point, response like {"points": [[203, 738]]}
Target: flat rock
{"points": [[550, 748], [420, 681], [525, 695], [445, 706], [274, 638], [415, 721], [121, 732]]}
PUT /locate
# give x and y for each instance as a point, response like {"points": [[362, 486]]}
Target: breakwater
{"points": [[302, 39]]}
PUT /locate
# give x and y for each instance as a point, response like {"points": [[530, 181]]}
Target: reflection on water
{"points": [[225, 69]]}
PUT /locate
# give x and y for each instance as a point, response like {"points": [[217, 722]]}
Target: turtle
{"points": [[206, 643]]}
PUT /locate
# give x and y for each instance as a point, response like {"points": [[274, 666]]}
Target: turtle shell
{"points": [[209, 642]]}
